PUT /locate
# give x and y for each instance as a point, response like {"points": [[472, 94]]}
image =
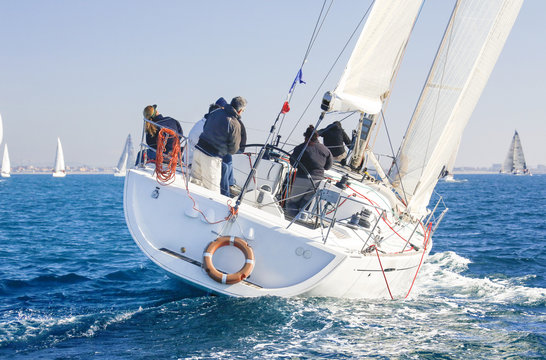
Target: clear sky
{"points": [[84, 70]]}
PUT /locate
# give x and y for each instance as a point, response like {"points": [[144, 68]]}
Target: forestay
{"points": [[469, 50], [366, 81]]}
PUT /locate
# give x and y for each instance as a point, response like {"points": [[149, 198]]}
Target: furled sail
{"points": [[469, 50], [366, 81], [515, 160]]}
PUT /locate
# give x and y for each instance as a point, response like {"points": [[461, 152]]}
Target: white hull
{"points": [[120, 174], [288, 261], [5, 175], [59, 174]]}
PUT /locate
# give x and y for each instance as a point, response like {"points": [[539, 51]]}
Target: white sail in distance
{"points": [[6, 164], [126, 159], [59, 168], [469, 50], [367, 78], [515, 160]]}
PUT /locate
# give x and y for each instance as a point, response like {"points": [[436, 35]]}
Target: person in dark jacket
{"points": [[197, 129], [221, 136], [315, 158], [152, 131], [228, 187], [334, 138]]}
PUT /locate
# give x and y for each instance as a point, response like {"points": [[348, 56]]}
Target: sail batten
{"points": [[469, 50], [367, 78]]}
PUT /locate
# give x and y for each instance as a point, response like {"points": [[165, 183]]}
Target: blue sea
{"points": [[74, 285]]}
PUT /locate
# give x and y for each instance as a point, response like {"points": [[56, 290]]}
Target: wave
{"points": [[35, 329], [442, 274], [9, 285]]}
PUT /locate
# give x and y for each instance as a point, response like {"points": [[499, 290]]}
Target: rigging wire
{"points": [[314, 37], [395, 163], [331, 69]]}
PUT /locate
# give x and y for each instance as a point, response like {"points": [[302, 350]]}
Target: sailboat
{"points": [[59, 168], [6, 165], [515, 160], [127, 158], [448, 175], [359, 236]]}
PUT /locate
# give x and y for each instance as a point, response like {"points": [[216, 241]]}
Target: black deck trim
{"points": [[388, 269], [197, 263]]}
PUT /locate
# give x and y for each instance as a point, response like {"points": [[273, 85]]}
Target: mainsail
{"points": [[367, 79], [515, 161], [59, 158], [6, 165], [127, 157], [469, 50]]}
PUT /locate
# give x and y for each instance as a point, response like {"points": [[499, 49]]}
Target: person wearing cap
{"points": [[197, 129], [152, 131], [228, 186], [315, 159], [221, 136], [334, 138]]}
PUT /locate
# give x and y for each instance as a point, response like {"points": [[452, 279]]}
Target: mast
{"points": [[468, 52]]}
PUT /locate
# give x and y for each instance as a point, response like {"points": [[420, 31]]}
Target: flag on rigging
{"points": [[299, 79]]}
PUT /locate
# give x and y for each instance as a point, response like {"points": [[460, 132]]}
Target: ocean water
{"points": [[73, 285]]}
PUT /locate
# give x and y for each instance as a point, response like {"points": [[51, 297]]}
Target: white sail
{"points": [[471, 45], [6, 165], [59, 168], [126, 159], [366, 81], [515, 160]]}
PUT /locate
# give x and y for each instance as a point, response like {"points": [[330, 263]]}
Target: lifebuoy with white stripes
{"points": [[224, 278]]}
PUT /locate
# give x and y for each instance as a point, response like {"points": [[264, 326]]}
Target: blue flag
{"points": [[299, 78]]}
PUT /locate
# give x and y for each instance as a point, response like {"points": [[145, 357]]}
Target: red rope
{"points": [[165, 172], [383, 271], [427, 237]]}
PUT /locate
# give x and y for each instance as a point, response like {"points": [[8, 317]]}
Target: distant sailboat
{"points": [[515, 161], [6, 165], [59, 169], [448, 173], [126, 159]]}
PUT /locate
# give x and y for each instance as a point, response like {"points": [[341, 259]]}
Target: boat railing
{"points": [[322, 211], [436, 216]]}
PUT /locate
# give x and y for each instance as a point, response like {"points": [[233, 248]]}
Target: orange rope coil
{"points": [[165, 172]]}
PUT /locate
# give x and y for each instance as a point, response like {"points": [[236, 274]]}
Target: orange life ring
{"points": [[221, 277]]}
